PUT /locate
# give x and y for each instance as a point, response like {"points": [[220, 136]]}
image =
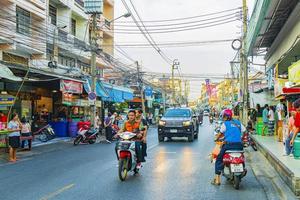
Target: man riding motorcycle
{"points": [[131, 125], [232, 130]]}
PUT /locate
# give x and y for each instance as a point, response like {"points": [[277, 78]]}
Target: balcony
{"points": [[80, 2], [68, 43], [78, 9], [106, 26], [63, 3]]}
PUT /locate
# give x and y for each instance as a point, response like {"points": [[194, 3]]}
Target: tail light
{"points": [[227, 158], [238, 160], [125, 154]]}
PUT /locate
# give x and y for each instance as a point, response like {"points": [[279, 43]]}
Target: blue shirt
{"points": [[265, 115], [233, 132]]}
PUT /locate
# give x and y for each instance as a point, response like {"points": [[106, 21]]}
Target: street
{"points": [[174, 170]]}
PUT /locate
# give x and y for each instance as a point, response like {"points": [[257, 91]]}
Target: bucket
{"points": [[60, 128], [72, 127], [297, 147]]}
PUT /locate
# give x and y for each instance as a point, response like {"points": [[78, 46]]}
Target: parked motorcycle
{"points": [[45, 133], [127, 155], [85, 135], [211, 119], [247, 141]]}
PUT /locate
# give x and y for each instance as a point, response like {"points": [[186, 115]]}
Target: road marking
{"points": [[54, 194], [170, 152]]}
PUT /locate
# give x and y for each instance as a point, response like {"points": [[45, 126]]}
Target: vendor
{"points": [[3, 117]]}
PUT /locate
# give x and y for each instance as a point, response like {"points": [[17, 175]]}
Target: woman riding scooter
{"points": [[232, 130]]}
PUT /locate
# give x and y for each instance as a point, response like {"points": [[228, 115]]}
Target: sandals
{"points": [[214, 182]]}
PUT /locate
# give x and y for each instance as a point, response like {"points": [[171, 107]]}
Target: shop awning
{"points": [[100, 90], [6, 73], [117, 94]]}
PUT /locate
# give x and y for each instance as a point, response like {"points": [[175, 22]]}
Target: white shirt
{"points": [[279, 109], [223, 128], [271, 115], [96, 125]]}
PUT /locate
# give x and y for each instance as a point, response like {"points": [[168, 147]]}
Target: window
{"points": [[73, 23], [53, 14], [23, 21]]}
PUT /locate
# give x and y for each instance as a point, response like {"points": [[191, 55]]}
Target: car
{"points": [[205, 113], [178, 122]]}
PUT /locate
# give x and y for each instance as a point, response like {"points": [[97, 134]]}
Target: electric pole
{"points": [[244, 66], [164, 94], [174, 66], [140, 84], [93, 65]]}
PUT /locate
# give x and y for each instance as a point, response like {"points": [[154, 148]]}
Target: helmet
{"points": [[228, 113]]}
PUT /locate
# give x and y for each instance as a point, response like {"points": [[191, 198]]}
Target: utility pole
{"points": [[93, 65], [244, 66], [140, 83], [180, 92], [164, 94], [174, 66], [186, 93]]}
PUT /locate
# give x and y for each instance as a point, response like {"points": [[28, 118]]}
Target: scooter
{"points": [[127, 155], [87, 135], [211, 119], [247, 141], [45, 133], [234, 166]]}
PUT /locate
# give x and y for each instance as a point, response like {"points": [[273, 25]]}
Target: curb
{"points": [[284, 172]]}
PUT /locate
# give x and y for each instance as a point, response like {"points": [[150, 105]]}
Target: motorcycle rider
{"points": [[131, 125], [232, 130], [140, 118]]}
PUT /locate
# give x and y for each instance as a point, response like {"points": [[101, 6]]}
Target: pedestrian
{"points": [[14, 137], [291, 123], [296, 131], [150, 118], [280, 113], [271, 117], [265, 118], [97, 121], [26, 132], [108, 127], [140, 119], [259, 111]]}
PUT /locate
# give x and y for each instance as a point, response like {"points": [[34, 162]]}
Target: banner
{"points": [[68, 86]]}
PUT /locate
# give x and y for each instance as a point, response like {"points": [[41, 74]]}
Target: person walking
{"points": [[296, 129], [271, 117], [108, 127], [14, 137], [26, 132], [265, 114], [288, 147], [280, 113]]}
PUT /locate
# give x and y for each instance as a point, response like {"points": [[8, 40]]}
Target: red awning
{"points": [[289, 91]]}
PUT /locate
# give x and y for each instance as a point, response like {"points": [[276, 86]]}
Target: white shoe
{"points": [[108, 141]]}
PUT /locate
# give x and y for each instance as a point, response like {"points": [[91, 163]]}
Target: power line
{"points": [[185, 18]]}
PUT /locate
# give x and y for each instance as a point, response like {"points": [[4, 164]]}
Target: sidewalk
{"points": [[36, 149], [287, 167]]}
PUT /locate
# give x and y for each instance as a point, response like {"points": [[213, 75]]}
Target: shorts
{"points": [[14, 141]]}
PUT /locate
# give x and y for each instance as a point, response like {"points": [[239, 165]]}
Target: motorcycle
{"points": [[247, 141], [127, 155], [234, 166], [45, 133], [87, 135], [211, 119]]}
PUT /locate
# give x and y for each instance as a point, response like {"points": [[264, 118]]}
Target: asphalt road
{"points": [[174, 170]]}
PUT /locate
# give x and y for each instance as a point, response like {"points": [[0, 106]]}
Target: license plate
{"points": [[236, 168], [173, 131]]}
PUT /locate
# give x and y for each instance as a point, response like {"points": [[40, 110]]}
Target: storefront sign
{"points": [[70, 86], [294, 73], [81, 102], [278, 86], [67, 99], [6, 101]]}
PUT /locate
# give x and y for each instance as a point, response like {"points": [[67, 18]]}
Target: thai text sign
{"points": [[68, 86], [294, 73]]}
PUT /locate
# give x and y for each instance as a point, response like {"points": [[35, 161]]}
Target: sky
{"points": [[193, 60]]}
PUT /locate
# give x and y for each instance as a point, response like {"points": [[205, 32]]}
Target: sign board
{"points": [[92, 98], [148, 92], [278, 86], [294, 73], [68, 86]]}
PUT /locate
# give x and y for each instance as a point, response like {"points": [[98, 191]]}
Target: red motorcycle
{"points": [[247, 141], [86, 134], [234, 166]]}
